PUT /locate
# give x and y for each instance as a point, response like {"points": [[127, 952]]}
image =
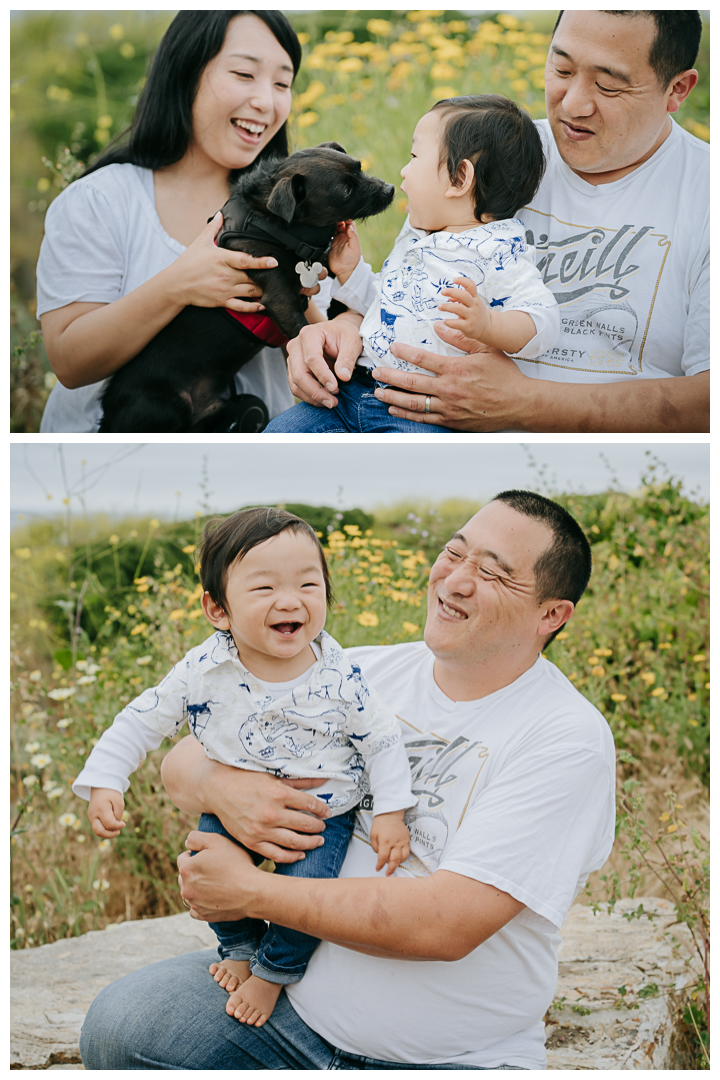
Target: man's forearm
{"points": [[186, 773], [654, 405], [443, 917]]}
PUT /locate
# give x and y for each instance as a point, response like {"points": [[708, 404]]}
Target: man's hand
{"points": [[486, 391], [390, 840], [316, 351], [211, 881], [105, 811], [477, 392], [278, 819]]}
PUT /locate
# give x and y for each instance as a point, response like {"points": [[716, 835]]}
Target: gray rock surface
{"points": [[52, 986], [592, 1028], [621, 982]]}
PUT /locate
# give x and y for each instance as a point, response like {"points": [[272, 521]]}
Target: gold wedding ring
{"points": [[427, 403]]}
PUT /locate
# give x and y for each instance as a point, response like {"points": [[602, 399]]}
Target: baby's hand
{"points": [[105, 812], [473, 315], [390, 839], [345, 252]]}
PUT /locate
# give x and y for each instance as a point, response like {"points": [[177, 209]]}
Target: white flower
{"points": [[101, 883], [55, 793], [30, 781], [142, 660], [40, 760], [85, 679], [65, 722], [67, 820], [61, 693], [32, 747], [88, 666], [35, 676], [81, 838], [104, 845]]}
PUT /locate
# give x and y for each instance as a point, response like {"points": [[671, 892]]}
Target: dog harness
{"points": [[310, 244]]}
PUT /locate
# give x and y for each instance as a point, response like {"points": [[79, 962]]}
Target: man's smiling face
{"points": [[606, 108], [481, 597]]}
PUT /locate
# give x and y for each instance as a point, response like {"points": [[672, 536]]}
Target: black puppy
{"points": [[286, 208]]}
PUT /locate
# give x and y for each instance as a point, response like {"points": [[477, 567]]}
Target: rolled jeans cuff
{"points": [[283, 978], [237, 952]]}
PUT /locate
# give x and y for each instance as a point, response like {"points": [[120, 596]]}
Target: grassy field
{"points": [[366, 79], [102, 610]]}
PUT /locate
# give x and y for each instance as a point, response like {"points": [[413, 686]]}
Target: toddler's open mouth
{"points": [[286, 629]]}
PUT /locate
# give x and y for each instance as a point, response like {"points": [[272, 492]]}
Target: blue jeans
{"points": [[277, 954], [172, 1015], [357, 410]]}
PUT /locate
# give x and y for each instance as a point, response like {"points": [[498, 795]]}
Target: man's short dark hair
{"points": [[504, 146], [563, 570], [676, 44], [225, 540]]}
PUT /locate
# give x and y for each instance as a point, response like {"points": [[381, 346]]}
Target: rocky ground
{"points": [[619, 985]]}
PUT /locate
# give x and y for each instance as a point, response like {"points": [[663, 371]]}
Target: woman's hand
{"points": [[310, 376], [278, 819], [206, 275]]}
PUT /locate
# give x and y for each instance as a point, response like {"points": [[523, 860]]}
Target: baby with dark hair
{"points": [[475, 161], [269, 691]]}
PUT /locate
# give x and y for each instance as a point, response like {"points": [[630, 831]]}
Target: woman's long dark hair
{"points": [[161, 129]]}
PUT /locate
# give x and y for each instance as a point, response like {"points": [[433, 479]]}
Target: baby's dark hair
{"points": [[226, 540], [504, 146]]}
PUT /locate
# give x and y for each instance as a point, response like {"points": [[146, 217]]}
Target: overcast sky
{"points": [[167, 479]]}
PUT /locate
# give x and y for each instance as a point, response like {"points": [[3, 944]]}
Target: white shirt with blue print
{"points": [[401, 302], [329, 724]]}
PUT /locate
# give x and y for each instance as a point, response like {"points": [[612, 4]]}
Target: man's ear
{"points": [[214, 613], [465, 180], [285, 196], [555, 613], [680, 87]]}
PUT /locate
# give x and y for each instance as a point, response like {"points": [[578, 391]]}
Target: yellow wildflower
{"points": [[350, 64], [368, 618]]}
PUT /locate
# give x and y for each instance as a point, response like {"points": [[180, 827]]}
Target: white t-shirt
{"points": [[628, 263], [328, 724], [516, 790], [400, 303], [103, 238]]}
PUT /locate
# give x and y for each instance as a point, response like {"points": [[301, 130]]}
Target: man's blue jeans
{"points": [[357, 410], [277, 954], [172, 1015]]}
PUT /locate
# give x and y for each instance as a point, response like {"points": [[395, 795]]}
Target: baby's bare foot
{"points": [[230, 973], [253, 1002]]}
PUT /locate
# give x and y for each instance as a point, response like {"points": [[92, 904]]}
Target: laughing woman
{"points": [[127, 246]]}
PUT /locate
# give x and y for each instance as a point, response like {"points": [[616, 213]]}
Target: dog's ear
{"points": [[333, 146], [286, 195]]}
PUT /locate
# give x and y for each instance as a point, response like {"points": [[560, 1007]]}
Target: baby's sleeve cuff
{"points": [[358, 292]]}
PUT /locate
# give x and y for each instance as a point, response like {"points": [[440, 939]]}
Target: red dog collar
{"points": [[259, 324]]}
